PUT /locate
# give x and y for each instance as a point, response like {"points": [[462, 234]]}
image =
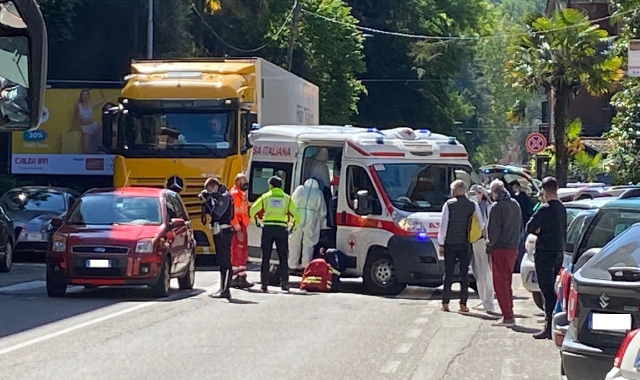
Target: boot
{"points": [[236, 283], [245, 284], [544, 334], [225, 281], [221, 293]]}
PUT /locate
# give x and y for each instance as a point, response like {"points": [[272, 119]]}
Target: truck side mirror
{"points": [[363, 203], [23, 65]]}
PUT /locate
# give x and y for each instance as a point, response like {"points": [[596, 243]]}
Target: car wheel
{"points": [[55, 288], [538, 300], [162, 287], [7, 260], [187, 281], [379, 274]]}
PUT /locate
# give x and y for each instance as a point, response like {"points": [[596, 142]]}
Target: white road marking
{"points": [[421, 320], [414, 333], [403, 348], [74, 328], [507, 370], [390, 367], [23, 286]]}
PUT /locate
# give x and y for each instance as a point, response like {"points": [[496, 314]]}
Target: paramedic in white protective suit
{"points": [[313, 217]]}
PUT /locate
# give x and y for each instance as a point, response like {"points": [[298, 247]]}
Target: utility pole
{"points": [[150, 30], [293, 35]]}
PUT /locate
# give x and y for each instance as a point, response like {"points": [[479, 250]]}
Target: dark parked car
{"points": [[605, 285], [6, 241], [125, 236], [31, 209]]}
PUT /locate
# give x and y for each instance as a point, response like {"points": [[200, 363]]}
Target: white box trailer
{"points": [[283, 97]]}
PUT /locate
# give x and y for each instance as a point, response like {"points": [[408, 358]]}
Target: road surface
{"points": [[121, 333]]}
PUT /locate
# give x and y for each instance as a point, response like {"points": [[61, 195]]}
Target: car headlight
{"points": [[145, 246], [411, 225], [59, 244]]}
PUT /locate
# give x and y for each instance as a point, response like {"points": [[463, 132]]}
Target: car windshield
{"points": [[623, 251], [419, 187], [39, 200], [572, 212], [607, 225], [111, 209], [170, 134]]}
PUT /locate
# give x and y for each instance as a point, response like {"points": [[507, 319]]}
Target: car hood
{"points": [[430, 220], [94, 234], [32, 220]]}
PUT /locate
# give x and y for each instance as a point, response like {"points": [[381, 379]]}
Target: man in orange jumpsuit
{"points": [[239, 242]]}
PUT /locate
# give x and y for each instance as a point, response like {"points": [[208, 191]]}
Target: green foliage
{"points": [[624, 154], [561, 54]]}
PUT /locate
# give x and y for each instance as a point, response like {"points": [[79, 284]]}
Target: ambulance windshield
{"points": [[420, 187]]}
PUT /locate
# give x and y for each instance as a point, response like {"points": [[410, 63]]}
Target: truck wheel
{"points": [[187, 281], [379, 275], [538, 300], [55, 289], [162, 287], [7, 260]]}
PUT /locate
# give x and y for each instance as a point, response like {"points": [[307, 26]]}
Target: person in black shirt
{"points": [[549, 224], [526, 207]]}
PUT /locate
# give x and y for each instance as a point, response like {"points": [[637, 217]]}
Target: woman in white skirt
{"points": [[481, 262]]}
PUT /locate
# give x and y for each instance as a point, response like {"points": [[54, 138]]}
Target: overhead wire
{"points": [[449, 38], [284, 25]]}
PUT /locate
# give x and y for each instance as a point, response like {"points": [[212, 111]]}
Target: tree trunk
{"points": [[561, 116]]}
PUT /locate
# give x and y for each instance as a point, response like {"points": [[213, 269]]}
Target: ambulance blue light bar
{"points": [[425, 131], [452, 140]]}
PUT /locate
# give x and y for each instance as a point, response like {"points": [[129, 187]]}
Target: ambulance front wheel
{"points": [[379, 274]]}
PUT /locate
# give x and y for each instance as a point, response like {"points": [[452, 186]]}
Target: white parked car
{"points": [[626, 365], [527, 267]]}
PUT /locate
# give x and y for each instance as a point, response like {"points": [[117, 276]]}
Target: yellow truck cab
{"points": [[179, 122]]}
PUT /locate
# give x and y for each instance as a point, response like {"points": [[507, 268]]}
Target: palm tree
{"points": [[563, 54]]}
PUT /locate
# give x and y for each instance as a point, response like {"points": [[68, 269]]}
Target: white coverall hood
{"points": [[310, 202], [322, 155]]}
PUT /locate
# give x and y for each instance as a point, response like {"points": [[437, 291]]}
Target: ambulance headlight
{"points": [[411, 225]]}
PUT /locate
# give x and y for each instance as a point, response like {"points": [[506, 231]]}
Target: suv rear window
{"points": [[623, 251], [606, 226]]}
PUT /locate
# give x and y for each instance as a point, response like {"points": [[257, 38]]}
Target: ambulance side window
{"points": [[261, 172], [358, 179]]}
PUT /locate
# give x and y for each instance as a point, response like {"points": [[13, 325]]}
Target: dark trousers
{"points": [[502, 260], [456, 254], [548, 265], [280, 236], [222, 242]]}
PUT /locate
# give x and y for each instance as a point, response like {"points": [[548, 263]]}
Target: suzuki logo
{"points": [[604, 301], [175, 183], [99, 250]]}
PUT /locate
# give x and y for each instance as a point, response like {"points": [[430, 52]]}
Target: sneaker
{"points": [[463, 308], [264, 288], [504, 323], [236, 283], [445, 307], [245, 284]]}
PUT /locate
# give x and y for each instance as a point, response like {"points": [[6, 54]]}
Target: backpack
{"points": [[317, 277]]}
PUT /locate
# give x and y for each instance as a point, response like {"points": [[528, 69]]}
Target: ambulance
{"points": [[388, 188]]}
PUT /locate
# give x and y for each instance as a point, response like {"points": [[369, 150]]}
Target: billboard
{"points": [[69, 140]]}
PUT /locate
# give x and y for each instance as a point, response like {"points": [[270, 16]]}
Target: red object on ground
{"points": [[317, 277]]}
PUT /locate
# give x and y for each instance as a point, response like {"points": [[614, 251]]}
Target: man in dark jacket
{"points": [[218, 204], [503, 238], [526, 208], [453, 239], [549, 223]]}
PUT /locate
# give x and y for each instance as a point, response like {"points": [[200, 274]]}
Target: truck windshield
{"points": [[178, 134], [420, 187]]}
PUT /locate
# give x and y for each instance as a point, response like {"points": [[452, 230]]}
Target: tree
{"points": [[563, 54], [624, 154]]}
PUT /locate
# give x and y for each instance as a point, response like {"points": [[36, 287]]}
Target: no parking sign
{"points": [[535, 143]]}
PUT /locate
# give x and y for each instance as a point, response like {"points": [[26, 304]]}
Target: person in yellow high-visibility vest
{"points": [[278, 215]]}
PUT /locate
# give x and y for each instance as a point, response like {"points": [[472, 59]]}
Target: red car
{"points": [[124, 236]]}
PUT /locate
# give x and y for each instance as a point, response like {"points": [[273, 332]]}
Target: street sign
{"points": [[634, 59], [535, 143]]}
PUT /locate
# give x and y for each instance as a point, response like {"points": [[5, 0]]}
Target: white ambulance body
{"points": [[388, 190]]}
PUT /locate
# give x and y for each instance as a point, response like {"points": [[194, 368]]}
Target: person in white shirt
{"points": [[480, 261]]}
